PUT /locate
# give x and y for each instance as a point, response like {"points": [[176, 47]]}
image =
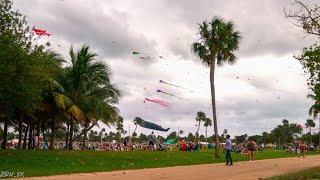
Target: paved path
{"points": [[240, 170]]}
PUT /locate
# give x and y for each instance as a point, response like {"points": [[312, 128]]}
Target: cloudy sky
{"points": [[271, 84]]}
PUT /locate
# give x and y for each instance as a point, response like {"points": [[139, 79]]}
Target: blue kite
{"points": [[150, 125]]}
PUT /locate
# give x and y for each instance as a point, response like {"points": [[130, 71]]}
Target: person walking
{"points": [[228, 151]]}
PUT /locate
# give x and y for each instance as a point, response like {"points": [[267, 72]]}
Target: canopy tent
{"points": [[171, 141]]}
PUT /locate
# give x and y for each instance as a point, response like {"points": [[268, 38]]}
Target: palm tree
{"points": [[180, 132], [207, 122], [285, 130], [137, 121], [315, 108], [217, 43], [310, 124], [88, 85], [201, 116], [225, 132]]}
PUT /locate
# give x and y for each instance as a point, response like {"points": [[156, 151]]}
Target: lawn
{"points": [[313, 173], [41, 163]]}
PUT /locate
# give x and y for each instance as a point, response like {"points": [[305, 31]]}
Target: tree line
{"points": [[42, 92]]}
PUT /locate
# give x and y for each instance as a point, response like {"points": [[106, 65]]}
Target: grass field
{"points": [[313, 173], [41, 163]]}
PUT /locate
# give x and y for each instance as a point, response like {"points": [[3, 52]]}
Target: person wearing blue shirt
{"points": [[228, 151]]}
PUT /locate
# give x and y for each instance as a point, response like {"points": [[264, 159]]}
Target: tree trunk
{"points": [[30, 135], [71, 136], [67, 136], [310, 134], [319, 132], [206, 134], [20, 130], [53, 133], [25, 137], [213, 101], [38, 132], [84, 136], [197, 133], [5, 134], [134, 131]]}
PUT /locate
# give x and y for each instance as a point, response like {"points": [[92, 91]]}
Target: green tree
{"points": [[285, 130], [191, 137], [207, 122], [180, 133], [172, 135], [87, 83], [119, 127], [201, 117], [217, 43], [241, 138], [143, 138], [265, 137], [137, 121], [25, 69], [315, 108], [310, 124]]}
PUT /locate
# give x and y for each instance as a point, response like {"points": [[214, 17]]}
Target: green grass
{"points": [[41, 163], [313, 173]]}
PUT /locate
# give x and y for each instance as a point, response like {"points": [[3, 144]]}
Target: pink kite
{"points": [[157, 101], [40, 32]]}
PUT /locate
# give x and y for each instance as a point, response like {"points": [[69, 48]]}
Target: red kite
{"points": [[40, 32]]}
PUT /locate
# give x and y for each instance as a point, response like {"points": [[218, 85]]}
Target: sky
{"points": [[265, 86]]}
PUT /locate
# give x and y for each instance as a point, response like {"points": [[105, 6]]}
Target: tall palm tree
{"points": [[201, 117], [285, 130], [207, 122], [310, 124], [315, 108], [137, 121], [217, 43]]}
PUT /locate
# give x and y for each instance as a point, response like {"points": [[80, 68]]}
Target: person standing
{"points": [[152, 139], [228, 151], [303, 148], [251, 148]]}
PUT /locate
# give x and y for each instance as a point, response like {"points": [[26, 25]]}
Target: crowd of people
{"points": [[300, 147]]}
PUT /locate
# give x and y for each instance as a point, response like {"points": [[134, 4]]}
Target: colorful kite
{"points": [[40, 32], [161, 81], [145, 57], [150, 125], [157, 101], [159, 91]]}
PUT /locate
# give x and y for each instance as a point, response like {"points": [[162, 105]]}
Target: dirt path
{"points": [[240, 170]]}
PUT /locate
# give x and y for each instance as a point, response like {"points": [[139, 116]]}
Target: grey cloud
{"points": [[264, 30], [87, 23], [262, 24]]}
